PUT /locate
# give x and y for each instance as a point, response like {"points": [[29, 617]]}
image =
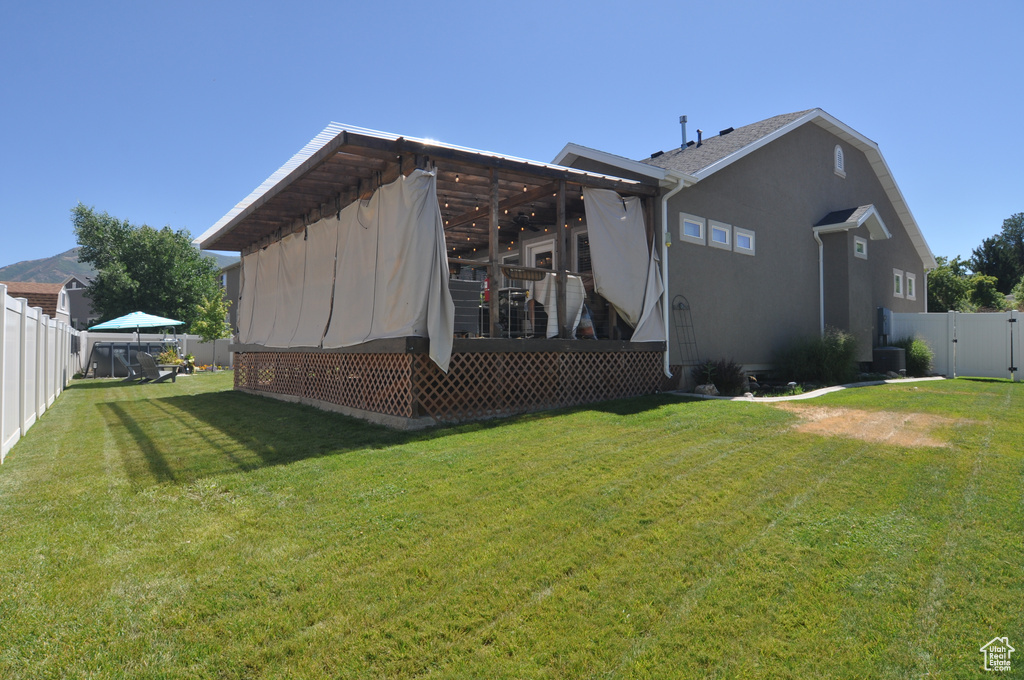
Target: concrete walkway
{"points": [[812, 394]]}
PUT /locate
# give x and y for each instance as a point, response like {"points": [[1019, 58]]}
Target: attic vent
{"points": [[725, 131], [656, 154], [840, 162]]}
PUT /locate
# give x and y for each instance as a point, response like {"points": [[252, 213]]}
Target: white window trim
{"points": [[702, 239], [737, 232], [540, 245], [726, 228], [897, 283], [839, 160], [576, 249], [863, 252], [910, 285]]}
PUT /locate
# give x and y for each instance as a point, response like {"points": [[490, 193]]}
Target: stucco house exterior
{"points": [[775, 231]]}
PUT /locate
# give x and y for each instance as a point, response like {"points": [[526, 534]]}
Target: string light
{"points": [[456, 177]]}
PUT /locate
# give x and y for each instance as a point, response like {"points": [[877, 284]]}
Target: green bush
{"points": [[919, 356], [830, 360], [727, 376]]}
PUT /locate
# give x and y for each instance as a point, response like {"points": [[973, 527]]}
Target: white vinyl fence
{"points": [[985, 345], [37, 359]]}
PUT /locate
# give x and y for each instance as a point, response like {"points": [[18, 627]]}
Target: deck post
{"points": [[562, 250], [492, 256]]}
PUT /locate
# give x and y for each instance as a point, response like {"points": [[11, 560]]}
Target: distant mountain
{"points": [[48, 270], [58, 268]]}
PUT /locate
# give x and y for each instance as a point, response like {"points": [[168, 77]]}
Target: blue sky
{"points": [[170, 113]]}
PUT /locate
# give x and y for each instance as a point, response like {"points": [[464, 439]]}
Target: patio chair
{"points": [[153, 372], [133, 375]]}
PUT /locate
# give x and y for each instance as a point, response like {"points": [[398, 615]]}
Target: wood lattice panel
{"points": [[487, 384], [380, 383]]}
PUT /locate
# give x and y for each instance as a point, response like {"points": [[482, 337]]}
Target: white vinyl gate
{"points": [[984, 345]]}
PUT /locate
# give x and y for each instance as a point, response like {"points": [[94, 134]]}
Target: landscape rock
{"points": [[708, 389]]}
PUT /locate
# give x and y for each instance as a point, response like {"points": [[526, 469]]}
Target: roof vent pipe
{"points": [[682, 121], [700, 135]]}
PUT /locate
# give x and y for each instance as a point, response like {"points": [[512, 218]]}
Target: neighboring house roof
{"points": [[695, 163], [43, 295], [82, 280]]}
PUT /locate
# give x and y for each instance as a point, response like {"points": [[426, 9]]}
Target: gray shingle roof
{"points": [[693, 159], [844, 216]]}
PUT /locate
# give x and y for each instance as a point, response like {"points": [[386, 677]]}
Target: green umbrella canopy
{"points": [[135, 320]]}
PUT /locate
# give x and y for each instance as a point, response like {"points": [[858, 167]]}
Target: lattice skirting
{"points": [[380, 383], [478, 384]]}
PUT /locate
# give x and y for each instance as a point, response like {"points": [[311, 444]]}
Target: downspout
{"points": [[821, 282], [666, 239]]}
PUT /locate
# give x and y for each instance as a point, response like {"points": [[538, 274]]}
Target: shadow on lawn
{"points": [[181, 438]]}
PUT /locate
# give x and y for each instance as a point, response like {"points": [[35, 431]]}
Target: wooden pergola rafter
{"points": [[479, 195]]}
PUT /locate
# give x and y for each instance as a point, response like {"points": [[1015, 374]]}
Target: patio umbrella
{"points": [[135, 320]]}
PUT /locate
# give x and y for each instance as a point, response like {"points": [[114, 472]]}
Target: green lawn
{"points": [[186, 531]]}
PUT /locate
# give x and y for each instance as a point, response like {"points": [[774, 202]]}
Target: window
{"points": [[744, 241], [840, 161], [897, 283], [691, 228], [860, 247], [511, 259], [581, 252], [911, 284], [721, 235], [62, 301], [540, 254]]}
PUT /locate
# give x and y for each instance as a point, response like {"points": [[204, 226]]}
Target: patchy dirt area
{"points": [[901, 429]]}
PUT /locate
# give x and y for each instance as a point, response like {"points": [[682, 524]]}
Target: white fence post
{"points": [[3, 370], [951, 334], [1014, 345], [23, 371]]}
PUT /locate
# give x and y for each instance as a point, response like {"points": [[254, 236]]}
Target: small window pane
{"points": [[719, 235], [583, 253], [692, 229], [743, 241]]}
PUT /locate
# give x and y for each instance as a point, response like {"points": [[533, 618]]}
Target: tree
{"points": [[1002, 255], [1018, 295], [983, 293], [211, 322], [948, 285], [157, 271]]}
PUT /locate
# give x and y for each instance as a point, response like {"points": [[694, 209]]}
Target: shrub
{"points": [[919, 356], [168, 356], [727, 375], [831, 359]]}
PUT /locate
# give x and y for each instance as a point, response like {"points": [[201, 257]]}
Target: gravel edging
{"points": [[808, 395]]}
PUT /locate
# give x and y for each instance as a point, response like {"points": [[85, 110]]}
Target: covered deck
{"points": [[515, 222]]}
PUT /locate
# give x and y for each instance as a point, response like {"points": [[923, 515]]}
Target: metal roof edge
{"points": [[665, 176], [323, 144]]}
